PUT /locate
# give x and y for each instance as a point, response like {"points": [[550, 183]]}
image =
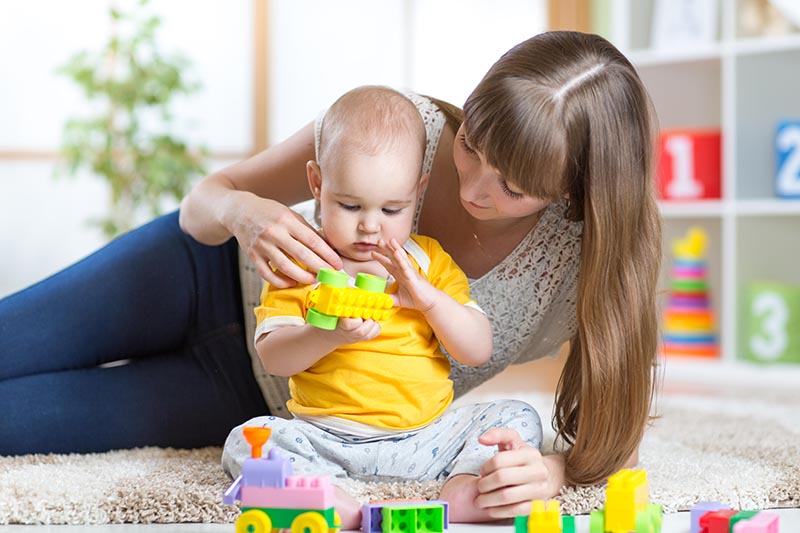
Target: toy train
{"points": [[272, 498]]}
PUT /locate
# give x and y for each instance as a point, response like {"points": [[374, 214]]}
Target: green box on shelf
{"points": [[773, 323]]}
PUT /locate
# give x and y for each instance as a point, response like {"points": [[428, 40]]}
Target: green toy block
{"points": [[567, 524], [773, 323], [417, 519], [521, 524]]}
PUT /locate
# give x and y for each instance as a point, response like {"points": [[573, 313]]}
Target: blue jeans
{"points": [[155, 298]]}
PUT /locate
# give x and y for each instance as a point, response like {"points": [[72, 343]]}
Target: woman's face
{"points": [[484, 192]]}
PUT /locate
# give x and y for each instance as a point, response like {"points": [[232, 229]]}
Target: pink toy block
{"points": [[300, 492], [701, 508], [760, 523]]}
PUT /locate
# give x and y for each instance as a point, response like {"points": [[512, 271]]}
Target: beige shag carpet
{"points": [[743, 450]]}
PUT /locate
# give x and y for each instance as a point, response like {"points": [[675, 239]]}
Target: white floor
{"points": [[673, 523]]}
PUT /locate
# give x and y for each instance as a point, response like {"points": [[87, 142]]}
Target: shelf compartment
{"points": [[767, 89], [695, 103]]}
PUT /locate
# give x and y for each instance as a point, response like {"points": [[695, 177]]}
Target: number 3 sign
{"points": [[773, 316], [690, 164], [787, 145]]}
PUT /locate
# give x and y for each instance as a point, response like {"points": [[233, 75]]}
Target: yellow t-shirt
{"points": [[396, 381]]}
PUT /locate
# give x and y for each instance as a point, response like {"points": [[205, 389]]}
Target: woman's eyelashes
{"points": [[467, 148], [509, 192]]}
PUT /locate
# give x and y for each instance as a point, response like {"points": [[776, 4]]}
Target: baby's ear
{"points": [[314, 178]]}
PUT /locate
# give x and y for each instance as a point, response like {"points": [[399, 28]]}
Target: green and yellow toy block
{"points": [[544, 518], [628, 508], [333, 299]]}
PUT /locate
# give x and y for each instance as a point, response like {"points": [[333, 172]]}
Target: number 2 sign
{"points": [[787, 146], [690, 164]]}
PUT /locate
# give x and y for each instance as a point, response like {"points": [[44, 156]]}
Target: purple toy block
{"points": [[760, 523], [270, 472], [701, 508]]}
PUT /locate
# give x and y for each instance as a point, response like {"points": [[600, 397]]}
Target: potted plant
{"points": [[127, 140]]}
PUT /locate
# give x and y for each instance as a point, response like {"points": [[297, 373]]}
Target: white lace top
{"points": [[529, 297]]}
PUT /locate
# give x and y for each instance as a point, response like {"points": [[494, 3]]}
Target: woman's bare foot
{"points": [[349, 510]]}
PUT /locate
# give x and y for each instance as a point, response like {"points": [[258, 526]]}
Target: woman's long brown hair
{"points": [[565, 114]]}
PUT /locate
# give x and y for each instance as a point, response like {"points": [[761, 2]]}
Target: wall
{"points": [[317, 50]]}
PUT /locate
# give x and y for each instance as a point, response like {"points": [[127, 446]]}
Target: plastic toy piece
{"points": [[701, 508], [628, 506], [272, 498], [544, 518], [689, 322], [760, 523], [731, 521], [405, 516], [333, 299], [717, 521]]}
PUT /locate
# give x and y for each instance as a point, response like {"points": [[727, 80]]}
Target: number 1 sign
{"points": [[690, 165], [787, 146]]}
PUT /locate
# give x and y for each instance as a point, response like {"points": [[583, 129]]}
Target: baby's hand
{"points": [[352, 330], [415, 292]]}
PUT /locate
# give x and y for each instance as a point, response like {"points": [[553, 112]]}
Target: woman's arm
{"points": [[248, 201]]}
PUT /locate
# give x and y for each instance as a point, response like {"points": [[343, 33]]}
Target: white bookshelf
{"points": [[742, 86]]}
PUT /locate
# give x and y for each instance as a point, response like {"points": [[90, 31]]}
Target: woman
{"points": [[543, 195]]}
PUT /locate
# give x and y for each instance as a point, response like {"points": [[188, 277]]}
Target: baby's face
{"points": [[366, 198]]}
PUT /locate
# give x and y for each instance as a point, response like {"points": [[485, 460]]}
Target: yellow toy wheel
{"points": [[253, 521], [337, 523], [310, 522]]}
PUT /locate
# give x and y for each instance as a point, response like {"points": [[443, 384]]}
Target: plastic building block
{"points": [[333, 299], [627, 494], [760, 523], [544, 518], [628, 506], [405, 516], [701, 508], [273, 498], [717, 521]]}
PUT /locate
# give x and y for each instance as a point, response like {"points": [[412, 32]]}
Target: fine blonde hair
{"points": [[369, 119], [565, 114]]}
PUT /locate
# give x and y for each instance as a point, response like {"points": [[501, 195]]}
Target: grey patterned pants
{"points": [[444, 448]]}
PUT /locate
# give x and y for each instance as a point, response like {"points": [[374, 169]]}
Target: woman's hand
{"points": [[414, 292], [272, 235], [517, 474]]}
